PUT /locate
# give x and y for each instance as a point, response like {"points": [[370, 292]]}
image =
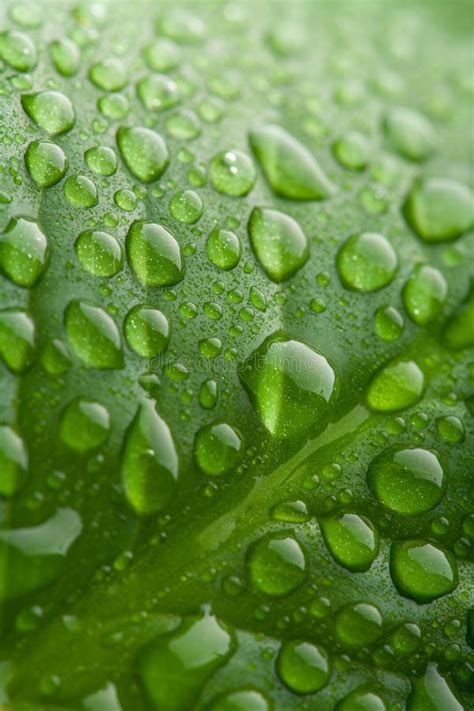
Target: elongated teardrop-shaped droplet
{"points": [[289, 167], [144, 152], [35, 556], [13, 461], [23, 252], [289, 383], [431, 692], [410, 133], [279, 243], [149, 461], [174, 667], [154, 254], [398, 385], [352, 540], [50, 110], [422, 571], [94, 335], [17, 339]]}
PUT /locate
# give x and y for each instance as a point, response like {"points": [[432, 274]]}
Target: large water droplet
{"points": [[422, 571], [147, 330], [424, 294], [46, 163], [217, 448], [144, 152], [18, 51], [175, 667], [439, 209], [50, 110], [366, 262], [352, 540], [398, 385], [232, 173], [23, 252], [289, 167], [459, 332], [154, 255], [279, 243], [158, 92], [186, 206], [149, 461], [223, 249], [35, 556], [358, 625], [432, 693], [99, 253], [277, 564], [66, 56], [80, 191], [109, 74], [84, 425], [289, 384], [94, 335], [303, 667], [101, 160], [407, 480], [13, 461], [410, 133], [17, 339]]}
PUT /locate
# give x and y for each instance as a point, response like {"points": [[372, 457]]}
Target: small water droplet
{"points": [[439, 209], [424, 294], [13, 461], [358, 625], [84, 425], [303, 667], [398, 385], [277, 564], [101, 160], [147, 330], [232, 173], [99, 253], [223, 249], [279, 243], [109, 74], [352, 540], [17, 339], [80, 191], [217, 448], [186, 207], [410, 133]]}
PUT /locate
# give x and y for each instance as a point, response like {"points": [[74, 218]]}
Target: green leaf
{"points": [[236, 367]]}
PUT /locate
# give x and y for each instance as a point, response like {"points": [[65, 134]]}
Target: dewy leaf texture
{"points": [[236, 356]]}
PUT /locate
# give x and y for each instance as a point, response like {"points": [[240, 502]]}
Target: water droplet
{"points": [[459, 332], [279, 243], [147, 330], [154, 255], [46, 163], [210, 347], [352, 540], [407, 480], [289, 384], [80, 191], [410, 133], [101, 160], [361, 699], [277, 564], [223, 249], [232, 173], [158, 92], [18, 51], [162, 55], [366, 262], [432, 693], [352, 151], [126, 200], [289, 167], [398, 385], [406, 638], [17, 339], [424, 294], [50, 110], [55, 358], [358, 625], [186, 207], [439, 209], [13, 461], [114, 106], [35, 556], [181, 26], [451, 429], [149, 461], [388, 323], [99, 253], [183, 125], [422, 571], [93, 335], [144, 152], [23, 252], [241, 700], [217, 448], [109, 75], [84, 425], [303, 667], [290, 512], [66, 56]]}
